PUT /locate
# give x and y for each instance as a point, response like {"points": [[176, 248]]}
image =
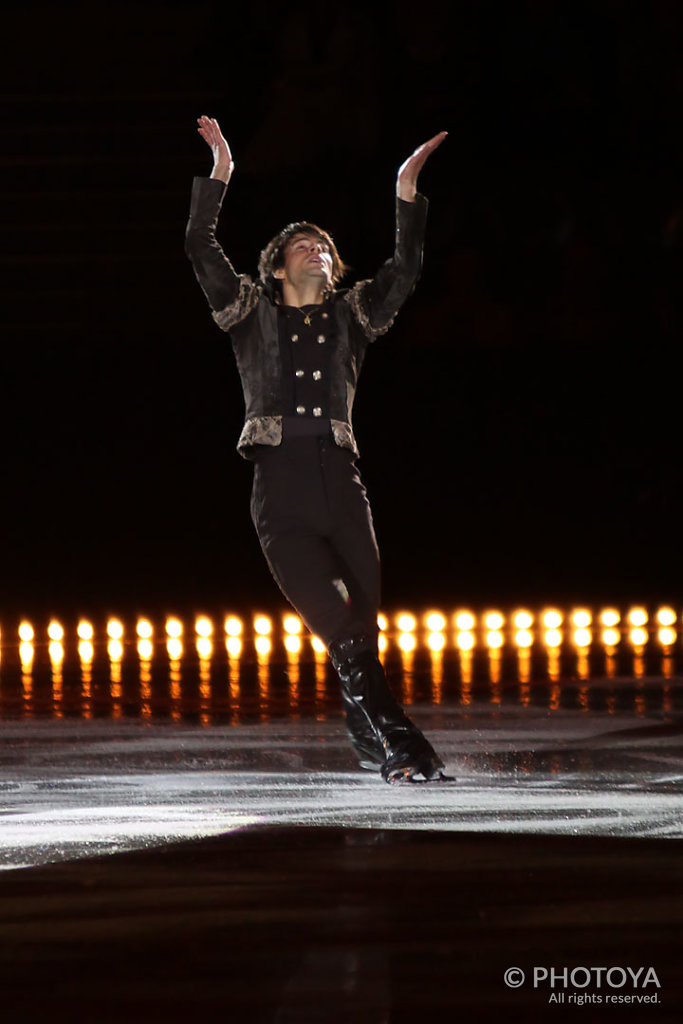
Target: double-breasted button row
{"points": [[301, 410], [321, 338], [310, 381], [316, 375]]}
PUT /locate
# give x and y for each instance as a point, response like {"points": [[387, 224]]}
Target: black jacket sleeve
{"points": [[212, 268], [376, 302]]}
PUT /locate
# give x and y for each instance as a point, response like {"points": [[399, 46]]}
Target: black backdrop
{"points": [[519, 425]]}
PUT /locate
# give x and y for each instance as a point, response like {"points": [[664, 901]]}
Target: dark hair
{"points": [[273, 256]]}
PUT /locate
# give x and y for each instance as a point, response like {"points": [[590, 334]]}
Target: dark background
{"points": [[519, 426]]}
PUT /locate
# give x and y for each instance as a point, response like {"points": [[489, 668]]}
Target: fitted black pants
{"points": [[314, 522]]}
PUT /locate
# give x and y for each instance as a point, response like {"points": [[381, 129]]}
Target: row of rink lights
{"points": [[578, 626], [556, 626], [174, 631]]}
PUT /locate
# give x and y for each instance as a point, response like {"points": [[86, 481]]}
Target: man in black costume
{"points": [[299, 344]]}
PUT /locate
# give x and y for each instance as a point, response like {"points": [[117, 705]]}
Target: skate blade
{"points": [[416, 777]]}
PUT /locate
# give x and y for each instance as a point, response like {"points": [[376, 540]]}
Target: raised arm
{"points": [[229, 295], [376, 302], [406, 180], [223, 163]]}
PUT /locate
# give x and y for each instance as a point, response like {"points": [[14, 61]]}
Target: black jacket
{"points": [[248, 310]]}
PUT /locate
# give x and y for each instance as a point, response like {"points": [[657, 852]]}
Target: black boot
{"points": [[361, 732], [382, 735]]}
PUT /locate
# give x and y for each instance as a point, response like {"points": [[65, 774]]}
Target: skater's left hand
{"points": [[406, 182]]}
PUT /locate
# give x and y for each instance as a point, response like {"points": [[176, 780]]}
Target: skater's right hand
{"points": [[406, 182], [223, 164]]}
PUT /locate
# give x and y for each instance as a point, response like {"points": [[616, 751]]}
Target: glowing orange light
{"points": [[233, 626], [581, 618], [494, 621], [553, 638], [552, 618], [638, 636], [406, 641], [465, 641], [406, 622], [382, 642], [637, 617], [293, 643], [523, 638], [84, 630], [26, 654], [145, 649], [523, 620], [436, 641], [233, 646], [382, 621], [56, 652], [174, 647], [666, 616], [262, 645], [582, 637], [86, 651], [114, 629], [435, 622], [610, 617], [292, 625], [262, 625], [611, 637], [174, 628], [204, 647], [55, 631], [667, 636], [464, 621], [26, 632], [494, 639], [144, 629], [115, 650], [203, 627], [318, 645]]}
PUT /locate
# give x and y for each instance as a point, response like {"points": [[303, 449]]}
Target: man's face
{"points": [[307, 257]]}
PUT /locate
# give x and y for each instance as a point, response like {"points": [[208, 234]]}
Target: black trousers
{"points": [[314, 522]]}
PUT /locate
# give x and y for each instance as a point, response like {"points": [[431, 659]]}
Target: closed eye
{"points": [[304, 243]]}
